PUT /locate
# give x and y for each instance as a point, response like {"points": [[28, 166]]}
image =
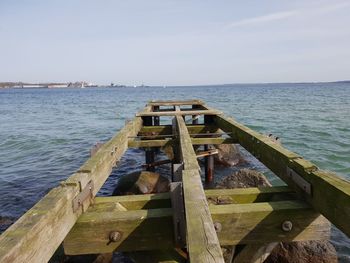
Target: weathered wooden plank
{"points": [[330, 194], [249, 195], [164, 142], [255, 253], [255, 223], [202, 241], [167, 129], [136, 202], [175, 113], [162, 200], [149, 143], [38, 233], [258, 223], [91, 233], [174, 103]]}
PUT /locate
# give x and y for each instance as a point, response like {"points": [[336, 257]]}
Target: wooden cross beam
{"points": [[132, 143], [258, 223], [167, 129], [180, 112]]}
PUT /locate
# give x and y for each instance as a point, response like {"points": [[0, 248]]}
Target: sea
{"points": [[47, 134]]}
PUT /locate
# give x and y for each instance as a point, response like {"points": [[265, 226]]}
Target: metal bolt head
{"points": [[218, 227], [287, 226], [115, 236]]}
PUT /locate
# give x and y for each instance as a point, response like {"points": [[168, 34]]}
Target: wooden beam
{"points": [[149, 143], [255, 253], [167, 129], [161, 143], [174, 103], [326, 192], [137, 231], [38, 233], [182, 113], [256, 223], [249, 195], [136, 202], [162, 200], [202, 242]]}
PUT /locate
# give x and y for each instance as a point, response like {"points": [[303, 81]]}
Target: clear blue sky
{"points": [[174, 42]]}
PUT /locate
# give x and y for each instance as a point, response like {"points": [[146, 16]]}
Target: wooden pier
{"points": [[181, 219]]}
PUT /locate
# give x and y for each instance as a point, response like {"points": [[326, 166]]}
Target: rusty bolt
{"points": [[115, 236], [287, 226], [217, 227]]}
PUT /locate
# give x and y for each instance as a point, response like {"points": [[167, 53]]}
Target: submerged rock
{"points": [[229, 155], [141, 182], [304, 252], [5, 222]]}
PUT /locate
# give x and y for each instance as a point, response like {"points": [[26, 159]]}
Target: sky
{"points": [[164, 42]]}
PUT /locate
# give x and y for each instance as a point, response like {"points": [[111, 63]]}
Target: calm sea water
{"points": [[45, 135]]}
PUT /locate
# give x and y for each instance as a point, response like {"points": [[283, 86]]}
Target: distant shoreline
{"points": [[81, 85]]}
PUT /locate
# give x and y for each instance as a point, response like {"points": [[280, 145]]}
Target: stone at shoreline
{"points": [[244, 178], [229, 155], [5, 222], [141, 182], [304, 252]]}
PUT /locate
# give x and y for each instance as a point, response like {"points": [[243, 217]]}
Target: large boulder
{"points": [[303, 252], [228, 155], [244, 178], [141, 182]]}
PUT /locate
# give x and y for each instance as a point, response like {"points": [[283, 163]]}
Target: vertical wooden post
{"points": [[156, 119], [209, 160], [195, 117], [149, 152], [209, 165], [156, 122], [147, 121]]}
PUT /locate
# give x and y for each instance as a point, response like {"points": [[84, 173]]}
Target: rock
{"points": [[244, 178], [304, 252], [5, 222], [141, 182], [169, 151], [228, 155]]}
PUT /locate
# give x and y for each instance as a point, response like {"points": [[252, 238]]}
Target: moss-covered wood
{"points": [[165, 142], [330, 194], [180, 112], [215, 196], [202, 242], [254, 223], [39, 232], [167, 129]]}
